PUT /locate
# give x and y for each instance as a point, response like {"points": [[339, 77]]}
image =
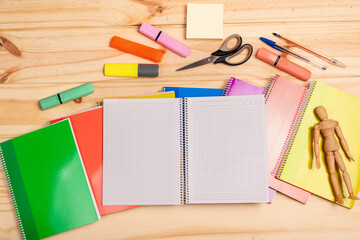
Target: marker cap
{"points": [[149, 31], [50, 102], [283, 64], [267, 56], [164, 39], [148, 70]]}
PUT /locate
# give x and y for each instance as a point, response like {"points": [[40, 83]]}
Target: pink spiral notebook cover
{"points": [[236, 87], [283, 100]]}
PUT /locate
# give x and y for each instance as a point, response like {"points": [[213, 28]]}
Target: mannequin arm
{"points": [[316, 145], [343, 141]]}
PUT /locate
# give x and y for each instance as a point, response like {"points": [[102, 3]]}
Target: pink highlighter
{"points": [[164, 39]]}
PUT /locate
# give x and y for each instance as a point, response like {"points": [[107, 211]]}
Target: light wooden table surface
{"points": [[66, 43]]}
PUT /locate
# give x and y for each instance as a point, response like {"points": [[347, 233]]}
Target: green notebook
{"points": [[47, 182]]}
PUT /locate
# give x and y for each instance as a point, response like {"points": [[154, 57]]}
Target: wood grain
{"points": [[32, 14], [78, 55], [66, 43]]}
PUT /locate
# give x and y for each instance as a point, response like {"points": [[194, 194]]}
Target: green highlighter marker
{"points": [[66, 96]]}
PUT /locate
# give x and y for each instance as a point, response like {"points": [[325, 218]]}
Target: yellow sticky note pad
{"points": [[204, 21]]}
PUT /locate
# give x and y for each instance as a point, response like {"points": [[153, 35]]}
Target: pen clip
{"points": [[279, 49], [271, 43]]}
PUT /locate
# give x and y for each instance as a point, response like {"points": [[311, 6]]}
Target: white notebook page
{"points": [[141, 152], [226, 150]]}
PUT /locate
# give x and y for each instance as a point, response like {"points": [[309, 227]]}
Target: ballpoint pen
{"points": [[319, 55], [281, 49]]}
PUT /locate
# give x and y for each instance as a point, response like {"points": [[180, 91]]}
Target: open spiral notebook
{"points": [[175, 151]]}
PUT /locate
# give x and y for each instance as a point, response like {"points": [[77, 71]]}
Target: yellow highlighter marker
{"points": [[131, 70]]}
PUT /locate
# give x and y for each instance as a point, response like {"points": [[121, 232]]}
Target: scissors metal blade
{"points": [[199, 63]]}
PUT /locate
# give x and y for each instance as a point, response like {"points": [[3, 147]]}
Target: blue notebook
{"points": [[182, 92]]}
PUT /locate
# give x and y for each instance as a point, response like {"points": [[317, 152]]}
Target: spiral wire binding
{"points": [[268, 89], [186, 151], [270, 86], [264, 92], [228, 86], [12, 194], [295, 130], [182, 187]]}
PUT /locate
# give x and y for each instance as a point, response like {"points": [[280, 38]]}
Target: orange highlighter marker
{"points": [[136, 49], [283, 64]]}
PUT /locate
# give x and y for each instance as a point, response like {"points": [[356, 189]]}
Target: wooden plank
{"points": [[280, 220], [78, 55], [29, 116], [66, 13]]}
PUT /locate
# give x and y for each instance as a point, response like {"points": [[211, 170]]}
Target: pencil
{"points": [[319, 55]]}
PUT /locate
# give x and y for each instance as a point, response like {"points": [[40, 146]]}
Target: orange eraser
{"points": [[136, 49]]}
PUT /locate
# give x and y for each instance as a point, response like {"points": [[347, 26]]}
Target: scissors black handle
{"points": [[224, 50], [226, 59], [224, 54]]}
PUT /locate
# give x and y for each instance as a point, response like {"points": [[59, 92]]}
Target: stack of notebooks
{"points": [[181, 146], [282, 99], [297, 165]]}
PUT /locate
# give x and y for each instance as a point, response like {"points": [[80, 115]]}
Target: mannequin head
{"points": [[321, 113]]}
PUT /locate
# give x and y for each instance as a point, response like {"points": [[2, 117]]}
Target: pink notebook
{"points": [[236, 87], [283, 99], [283, 102]]}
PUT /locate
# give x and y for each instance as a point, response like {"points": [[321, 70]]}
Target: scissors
{"points": [[224, 54]]}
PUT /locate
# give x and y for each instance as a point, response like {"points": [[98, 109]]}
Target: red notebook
{"points": [[88, 131]]}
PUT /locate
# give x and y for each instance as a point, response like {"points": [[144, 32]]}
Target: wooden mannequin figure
{"points": [[328, 129]]}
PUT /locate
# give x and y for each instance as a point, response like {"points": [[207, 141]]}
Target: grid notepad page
{"points": [[226, 150], [142, 152]]}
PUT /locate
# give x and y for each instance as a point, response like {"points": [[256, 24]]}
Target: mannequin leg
{"points": [[330, 158], [345, 174]]}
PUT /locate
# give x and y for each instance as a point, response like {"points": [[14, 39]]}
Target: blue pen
{"points": [[281, 49]]}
